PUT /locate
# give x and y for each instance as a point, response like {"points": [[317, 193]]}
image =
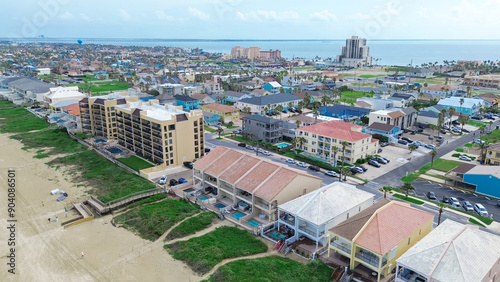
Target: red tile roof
{"points": [[204, 162], [271, 188], [239, 169], [337, 129], [257, 176], [216, 168], [390, 225]]}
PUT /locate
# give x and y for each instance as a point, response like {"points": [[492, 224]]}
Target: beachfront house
{"points": [[273, 87], [312, 215], [375, 238], [262, 128], [187, 102], [247, 187], [60, 97], [452, 252]]}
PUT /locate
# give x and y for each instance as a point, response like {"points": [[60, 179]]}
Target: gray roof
{"points": [[233, 94], [184, 98], [262, 119], [454, 252], [428, 114], [322, 205], [409, 110], [31, 84], [209, 114], [381, 126], [271, 99]]}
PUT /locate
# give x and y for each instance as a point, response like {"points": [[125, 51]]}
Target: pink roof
{"points": [[336, 129], [257, 175], [278, 182], [204, 162], [390, 225], [216, 168], [239, 169]]}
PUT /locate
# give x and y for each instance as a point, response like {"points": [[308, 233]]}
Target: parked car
{"points": [[407, 139], [386, 159], [188, 165], [464, 158], [242, 144], [465, 130], [446, 127], [413, 132], [479, 117], [381, 160], [182, 180], [477, 141], [364, 168], [480, 209], [454, 202], [173, 182], [457, 130], [290, 161], [430, 146], [467, 206], [440, 138], [355, 170], [374, 163], [498, 203], [418, 143], [443, 131], [163, 180], [383, 144], [207, 150], [315, 168], [431, 196], [249, 147], [420, 129], [402, 142], [331, 173], [266, 153], [431, 137], [446, 200], [379, 150], [302, 164]]}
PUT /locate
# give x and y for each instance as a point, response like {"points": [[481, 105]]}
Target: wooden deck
{"points": [[102, 208]]}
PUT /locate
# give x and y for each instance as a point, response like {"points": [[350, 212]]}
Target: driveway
{"points": [[397, 156]]}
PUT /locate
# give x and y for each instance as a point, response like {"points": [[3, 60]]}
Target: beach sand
{"points": [[47, 252]]}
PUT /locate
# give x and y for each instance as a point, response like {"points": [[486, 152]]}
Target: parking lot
{"points": [[422, 187], [176, 173], [397, 156]]}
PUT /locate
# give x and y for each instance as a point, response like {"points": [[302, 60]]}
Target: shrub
{"points": [[381, 138], [456, 155]]}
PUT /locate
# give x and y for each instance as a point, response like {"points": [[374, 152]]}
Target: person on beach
{"points": [[49, 219], [83, 254], [43, 205]]}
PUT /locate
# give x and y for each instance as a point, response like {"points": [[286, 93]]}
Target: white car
{"points": [[331, 173], [290, 161], [480, 209], [454, 202], [163, 180], [302, 164], [465, 158], [477, 141], [266, 153]]}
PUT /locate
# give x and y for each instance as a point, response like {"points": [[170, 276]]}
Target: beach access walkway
{"points": [[102, 208]]}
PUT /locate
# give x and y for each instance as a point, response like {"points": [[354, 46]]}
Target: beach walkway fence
{"points": [[104, 208]]}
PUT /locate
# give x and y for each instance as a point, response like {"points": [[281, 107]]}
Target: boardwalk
{"points": [[102, 208]]}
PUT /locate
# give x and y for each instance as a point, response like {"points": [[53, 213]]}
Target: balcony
{"points": [[410, 275], [157, 135], [343, 246], [309, 231], [370, 258], [128, 129], [320, 139], [290, 220]]}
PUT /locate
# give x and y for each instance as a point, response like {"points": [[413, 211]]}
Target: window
{"points": [[171, 127], [313, 150], [409, 239], [392, 253], [170, 134], [314, 135], [306, 133], [313, 142], [347, 215], [171, 155]]}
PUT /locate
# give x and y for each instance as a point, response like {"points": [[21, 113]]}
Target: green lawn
{"points": [[15, 120], [367, 84], [272, 268], [135, 163], [191, 225], [460, 150], [493, 137], [469, 145], [104, 86], [150, 221], [476, 123], [439, 164], [56, 141], [350, 97], [151, 199], [204, 252], [89, 77], [109, 181], [475, 222], [208, 128], [411, 200], [371, 75]]}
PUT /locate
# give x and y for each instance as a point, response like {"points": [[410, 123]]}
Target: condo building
{"points": [[355, 53]]}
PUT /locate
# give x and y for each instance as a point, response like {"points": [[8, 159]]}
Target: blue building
{"points": [[343, 111], [187, 102], [470, 106], [211, 118], [273, 87], [486, 179], [390, 131]]}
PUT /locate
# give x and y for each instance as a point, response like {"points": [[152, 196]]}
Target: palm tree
{"points": [[335, 151], [220, 130], [407, 187], [441, 206], [433, 154], [461, 103], [325, 100], [385, 189], [483, 146], [451, 112], [301, 142], [316, 114], [345, 171], [297, 122], [412, 148], [463, 121], [344, 145]]}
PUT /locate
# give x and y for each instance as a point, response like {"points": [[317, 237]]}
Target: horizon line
{"points": [[243, 39]]}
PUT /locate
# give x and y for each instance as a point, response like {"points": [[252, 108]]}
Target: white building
{"points": [[355, 53]]}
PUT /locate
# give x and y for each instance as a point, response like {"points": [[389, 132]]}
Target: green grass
{"points": [[272, 268], [103, 86], [411, 200], [493, 137], [83, 136], [350, 97], [468, 145], [476, 123], [204, 252], [439, 164], [40, 154], [438, 176], [430, 81], [367, 84], [89, 77], [475, 222], [56, 141], [152, 220], [460, 150], [209, 129], [151, 199], [371, 75], [18, 119], [191, 225], [108, 181], [135, 163]]}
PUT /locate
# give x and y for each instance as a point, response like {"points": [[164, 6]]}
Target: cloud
{"points": [[161, 15], [324, 15], [198, 14], [125, 16], [267, 15], [66, 16], [359, 16], [84, 17]]}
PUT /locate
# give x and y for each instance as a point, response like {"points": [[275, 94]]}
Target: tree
{"points": [[335, 151], [441, 206], [229, 124], [345, 171], [220, 131], [462, 120], [412, 148], [301, 141], [297, 122], [325, 100], [451, 112], [385, 189], [483, 146], [407, 187], [433, 154], [344, 145], [316, 114]]}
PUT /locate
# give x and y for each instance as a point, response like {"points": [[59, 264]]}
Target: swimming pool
{"points": [[237, 215], [282, 145], [114, 150], [189, 190], [203, 198], [276, 236], [253, 223], [100, 141], [220, 206]]}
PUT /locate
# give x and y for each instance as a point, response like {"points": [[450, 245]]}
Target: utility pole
{"points": [[409, 80]]}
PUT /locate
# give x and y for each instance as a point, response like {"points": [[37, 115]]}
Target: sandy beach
{"points": [[47, 252]]}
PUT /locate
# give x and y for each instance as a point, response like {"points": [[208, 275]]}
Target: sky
{"points": [[252, 19]]}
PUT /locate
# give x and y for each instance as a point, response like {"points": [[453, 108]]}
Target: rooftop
{"points": [[219, 108], [337, 129], [263, 119], [156, 111], [270, 99]]}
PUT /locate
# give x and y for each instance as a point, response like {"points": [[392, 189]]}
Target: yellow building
{"points": [[320, 138], [98, 114], [493, 154], [374, 238], [227, 113], [491, 81], [165, 134]]}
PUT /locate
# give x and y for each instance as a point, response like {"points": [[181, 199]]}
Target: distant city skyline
{"points": [[239, 19]]}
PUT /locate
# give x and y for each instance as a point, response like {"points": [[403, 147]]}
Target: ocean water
{"points": [[389, 52]]}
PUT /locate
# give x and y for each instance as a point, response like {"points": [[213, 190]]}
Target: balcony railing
{"points": [[370, 258], [342, 246], [290, 220], [308, 231]]}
